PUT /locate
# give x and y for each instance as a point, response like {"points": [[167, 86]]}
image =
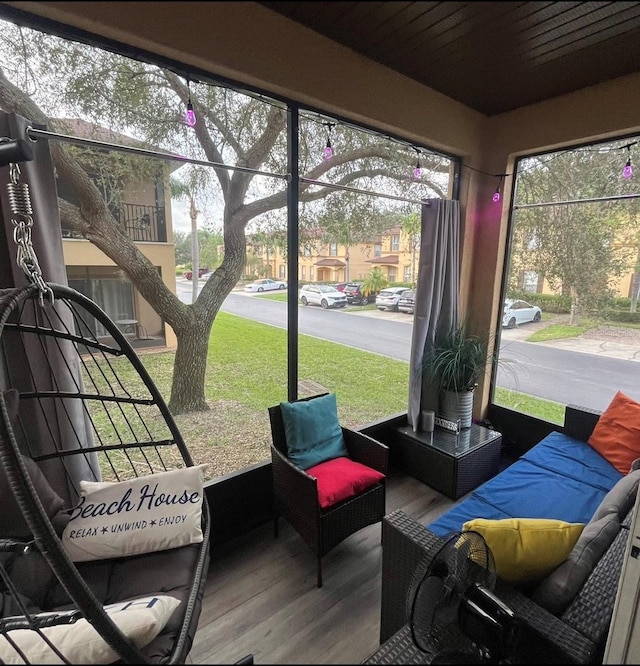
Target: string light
{"points": [[328, 151], [627, 172], [496, 195], [417, 170], [190, 114]]}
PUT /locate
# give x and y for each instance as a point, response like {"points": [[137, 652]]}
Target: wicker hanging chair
{"points": [[77, 405]]}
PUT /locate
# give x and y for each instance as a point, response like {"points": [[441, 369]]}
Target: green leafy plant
{"points": [[457, 360], [374, 282]]}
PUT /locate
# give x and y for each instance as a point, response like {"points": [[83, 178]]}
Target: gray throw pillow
{"points": [[620, 498], [560, 587], [12, 522]]}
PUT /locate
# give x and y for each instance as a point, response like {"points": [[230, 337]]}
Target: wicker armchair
{"points": [[296, 492]]}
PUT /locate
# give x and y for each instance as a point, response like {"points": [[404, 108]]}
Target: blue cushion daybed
{"points": [[561, 477]]}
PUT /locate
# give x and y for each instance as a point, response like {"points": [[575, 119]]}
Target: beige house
{"points": [[142, 205], [394, 251]]}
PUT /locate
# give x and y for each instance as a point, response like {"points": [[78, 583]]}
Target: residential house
{"points": [[394, 251], [142, 206]]}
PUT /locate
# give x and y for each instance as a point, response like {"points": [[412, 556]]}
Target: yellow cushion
{"points": [[526, 549]]}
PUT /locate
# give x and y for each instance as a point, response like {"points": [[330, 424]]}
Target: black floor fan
{"points": [[453, 614]]}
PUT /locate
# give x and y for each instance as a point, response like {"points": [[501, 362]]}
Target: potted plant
{"points": [[456, 362]]}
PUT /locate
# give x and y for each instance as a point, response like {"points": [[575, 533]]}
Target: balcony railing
{"points": [[140, 223], [143, 223]]}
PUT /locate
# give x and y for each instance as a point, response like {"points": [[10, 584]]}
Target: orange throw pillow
{"points": [[616, 436]]}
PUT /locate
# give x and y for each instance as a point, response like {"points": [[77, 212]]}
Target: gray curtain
{"points": [[43, 431], [436, 307]]}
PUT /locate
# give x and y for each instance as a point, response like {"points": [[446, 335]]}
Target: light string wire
{"points": [[328, 122], [555, 155]]}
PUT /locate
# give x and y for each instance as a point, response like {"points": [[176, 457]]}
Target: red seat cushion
{"points": [[341, 478]]}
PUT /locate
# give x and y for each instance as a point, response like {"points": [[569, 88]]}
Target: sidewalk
{"points": [[622, 343], [628, 351]]}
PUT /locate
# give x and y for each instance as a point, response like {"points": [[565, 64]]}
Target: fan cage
{"points": [[438, 588]]}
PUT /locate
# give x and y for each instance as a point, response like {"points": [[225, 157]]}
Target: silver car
{"points": [[388, 298], [322, 295]]}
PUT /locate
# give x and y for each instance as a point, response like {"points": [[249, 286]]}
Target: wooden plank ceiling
{"points": [[492, 56]]}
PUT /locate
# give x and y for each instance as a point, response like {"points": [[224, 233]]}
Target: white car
{"points": [[323, 295], [519, 312], [266, 284], [387, 298]]}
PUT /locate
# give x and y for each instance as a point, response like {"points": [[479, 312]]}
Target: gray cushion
{"points": [[620, 498], [560, 587], [12, 522], [11, 399], [558, 590]]}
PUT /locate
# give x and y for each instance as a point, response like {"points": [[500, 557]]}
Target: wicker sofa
{"points": [[577, 635]]}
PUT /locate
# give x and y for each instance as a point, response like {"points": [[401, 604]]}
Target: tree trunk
{"points": [[195, 249], [187, 390], [635, 284], [573, 317]]}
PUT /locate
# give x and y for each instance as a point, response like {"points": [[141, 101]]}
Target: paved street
{"points": [[602, 342]]}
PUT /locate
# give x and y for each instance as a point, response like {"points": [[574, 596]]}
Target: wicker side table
{"points": [[453, 464], [399, 649]]}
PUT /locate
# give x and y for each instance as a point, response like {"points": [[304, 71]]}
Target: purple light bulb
{"points": [[627, 172], [496, 196], [328, 152], [190, 115]]}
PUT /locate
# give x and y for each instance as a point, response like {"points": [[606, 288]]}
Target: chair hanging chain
{"points": [[20, 205]]}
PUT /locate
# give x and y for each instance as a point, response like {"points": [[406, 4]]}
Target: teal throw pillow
{"points": [[313, 431]]}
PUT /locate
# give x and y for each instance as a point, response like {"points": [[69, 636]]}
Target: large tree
{"points": [[581, 249], [50, 77]]}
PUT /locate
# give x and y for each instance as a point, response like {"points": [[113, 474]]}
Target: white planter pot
{"points": [[454, 406]]}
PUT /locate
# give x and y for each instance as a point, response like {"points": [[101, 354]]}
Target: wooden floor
{"points": [[262, 599]]}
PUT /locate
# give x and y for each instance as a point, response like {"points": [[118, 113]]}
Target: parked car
{"points": [[353, 292], [388, 298], [406, 302], [265, 284], [518, 312], [206, 276], [201, 271], [323, 295], [340, 285]]}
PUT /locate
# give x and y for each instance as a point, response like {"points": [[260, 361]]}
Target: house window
{"points": [[112, 294], [395, 243], [377, 250], [407, 274], [282, 271], [392, 275], [333, 249], [303, 272], [312, 273]]}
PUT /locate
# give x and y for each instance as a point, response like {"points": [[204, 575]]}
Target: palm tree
{"points": [[374, 282]]}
